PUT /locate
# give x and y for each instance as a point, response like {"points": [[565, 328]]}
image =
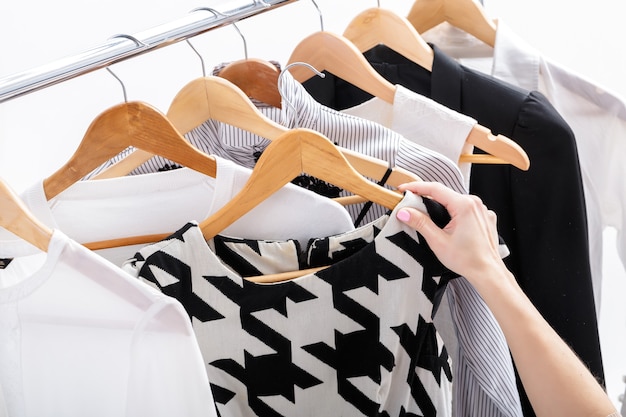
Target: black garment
{"points": [[541, 212]]}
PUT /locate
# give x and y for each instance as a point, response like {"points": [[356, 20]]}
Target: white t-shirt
{"points": [[138, 205], [423, 121], [80, 337]]}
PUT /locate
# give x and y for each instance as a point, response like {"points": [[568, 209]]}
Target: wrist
{"points": [[494, 280]]}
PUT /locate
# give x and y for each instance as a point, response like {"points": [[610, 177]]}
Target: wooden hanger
{"points": [[467, 15], [257, 78], [17, 219], [217, 98], [128, 124], [500, 149], [295, 152], [381, 26], [327, 51]]}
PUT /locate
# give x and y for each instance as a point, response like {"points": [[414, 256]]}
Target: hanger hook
{"points": [[139, 43], [216, 13], [378, 1], [281, 88], [199, 56], [320, 13]]}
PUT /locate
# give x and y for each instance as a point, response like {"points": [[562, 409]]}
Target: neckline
{"points": [[30, 283], [217, 268]]}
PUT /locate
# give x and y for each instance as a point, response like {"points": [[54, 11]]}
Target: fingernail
{"points": [[403, 215]]}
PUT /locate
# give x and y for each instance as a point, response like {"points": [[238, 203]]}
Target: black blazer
{"points": [[541, 212]]}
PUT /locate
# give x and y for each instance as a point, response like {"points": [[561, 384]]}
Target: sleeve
{"points": [[167, 376]]}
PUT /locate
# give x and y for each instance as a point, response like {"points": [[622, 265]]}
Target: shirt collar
{"points": [[514, 60]]}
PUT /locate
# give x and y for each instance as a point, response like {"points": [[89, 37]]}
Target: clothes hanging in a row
{"points": [[545, 227], [596, 114], [115, 206], [385, 328]]}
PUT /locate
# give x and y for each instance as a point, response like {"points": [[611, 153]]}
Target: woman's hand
{"points": [[556, 381], [468, 244]]}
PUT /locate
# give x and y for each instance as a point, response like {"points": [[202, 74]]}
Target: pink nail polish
{"points": [[403, 215]]}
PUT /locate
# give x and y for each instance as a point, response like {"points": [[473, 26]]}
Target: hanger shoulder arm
{"points": [[381, 26], [426, 14], [322, 159], [106, 136], [17, 219], [376, 169], [501, 149], [336, 54], [278, 165], [217, 98], [470, 16]]}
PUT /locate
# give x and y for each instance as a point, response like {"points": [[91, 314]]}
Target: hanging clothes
{"points": [[349, 132], [423, 121], [160, 202], [78, 336], [596, 115], [541, 212], [480, 354], [332, 335], [373, 139]]}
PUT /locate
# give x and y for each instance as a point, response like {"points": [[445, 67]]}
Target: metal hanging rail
{"points": [[120, 48]]}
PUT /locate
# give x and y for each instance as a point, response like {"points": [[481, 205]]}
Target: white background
{"points": [[40, 131]]}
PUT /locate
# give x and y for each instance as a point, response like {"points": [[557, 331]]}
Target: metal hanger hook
{"points": [[281, 87], [378, 2], [217, 14], [139, 43], [320, 13], [199, 56]]}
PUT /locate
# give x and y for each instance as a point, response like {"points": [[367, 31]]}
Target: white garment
{"points": [[596, 115], [160, 202], [80, 337], [423, 121]]}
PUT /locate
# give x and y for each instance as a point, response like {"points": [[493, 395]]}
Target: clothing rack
{"points": [[121, 47]]}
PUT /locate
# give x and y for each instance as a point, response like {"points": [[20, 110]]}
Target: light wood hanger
{"points": [[467, 15], [257, 78], [295, 152], [376, 26], [217, 98], [327, 51], [17, 219], [127, 124]]}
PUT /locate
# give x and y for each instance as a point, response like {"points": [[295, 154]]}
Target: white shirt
{"points": [[138, 205], [423, 121], [596, 115], [80, 337]]}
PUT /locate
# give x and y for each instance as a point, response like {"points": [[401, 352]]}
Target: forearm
{"points": [[556, 381]]}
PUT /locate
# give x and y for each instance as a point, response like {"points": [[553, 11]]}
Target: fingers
{"points": [[423, 224], [436, 191]]}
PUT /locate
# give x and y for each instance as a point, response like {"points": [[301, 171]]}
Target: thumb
{"points": [[422, 223]]}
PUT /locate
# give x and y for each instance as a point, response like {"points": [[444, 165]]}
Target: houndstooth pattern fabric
{"points": [[356, 338]]}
